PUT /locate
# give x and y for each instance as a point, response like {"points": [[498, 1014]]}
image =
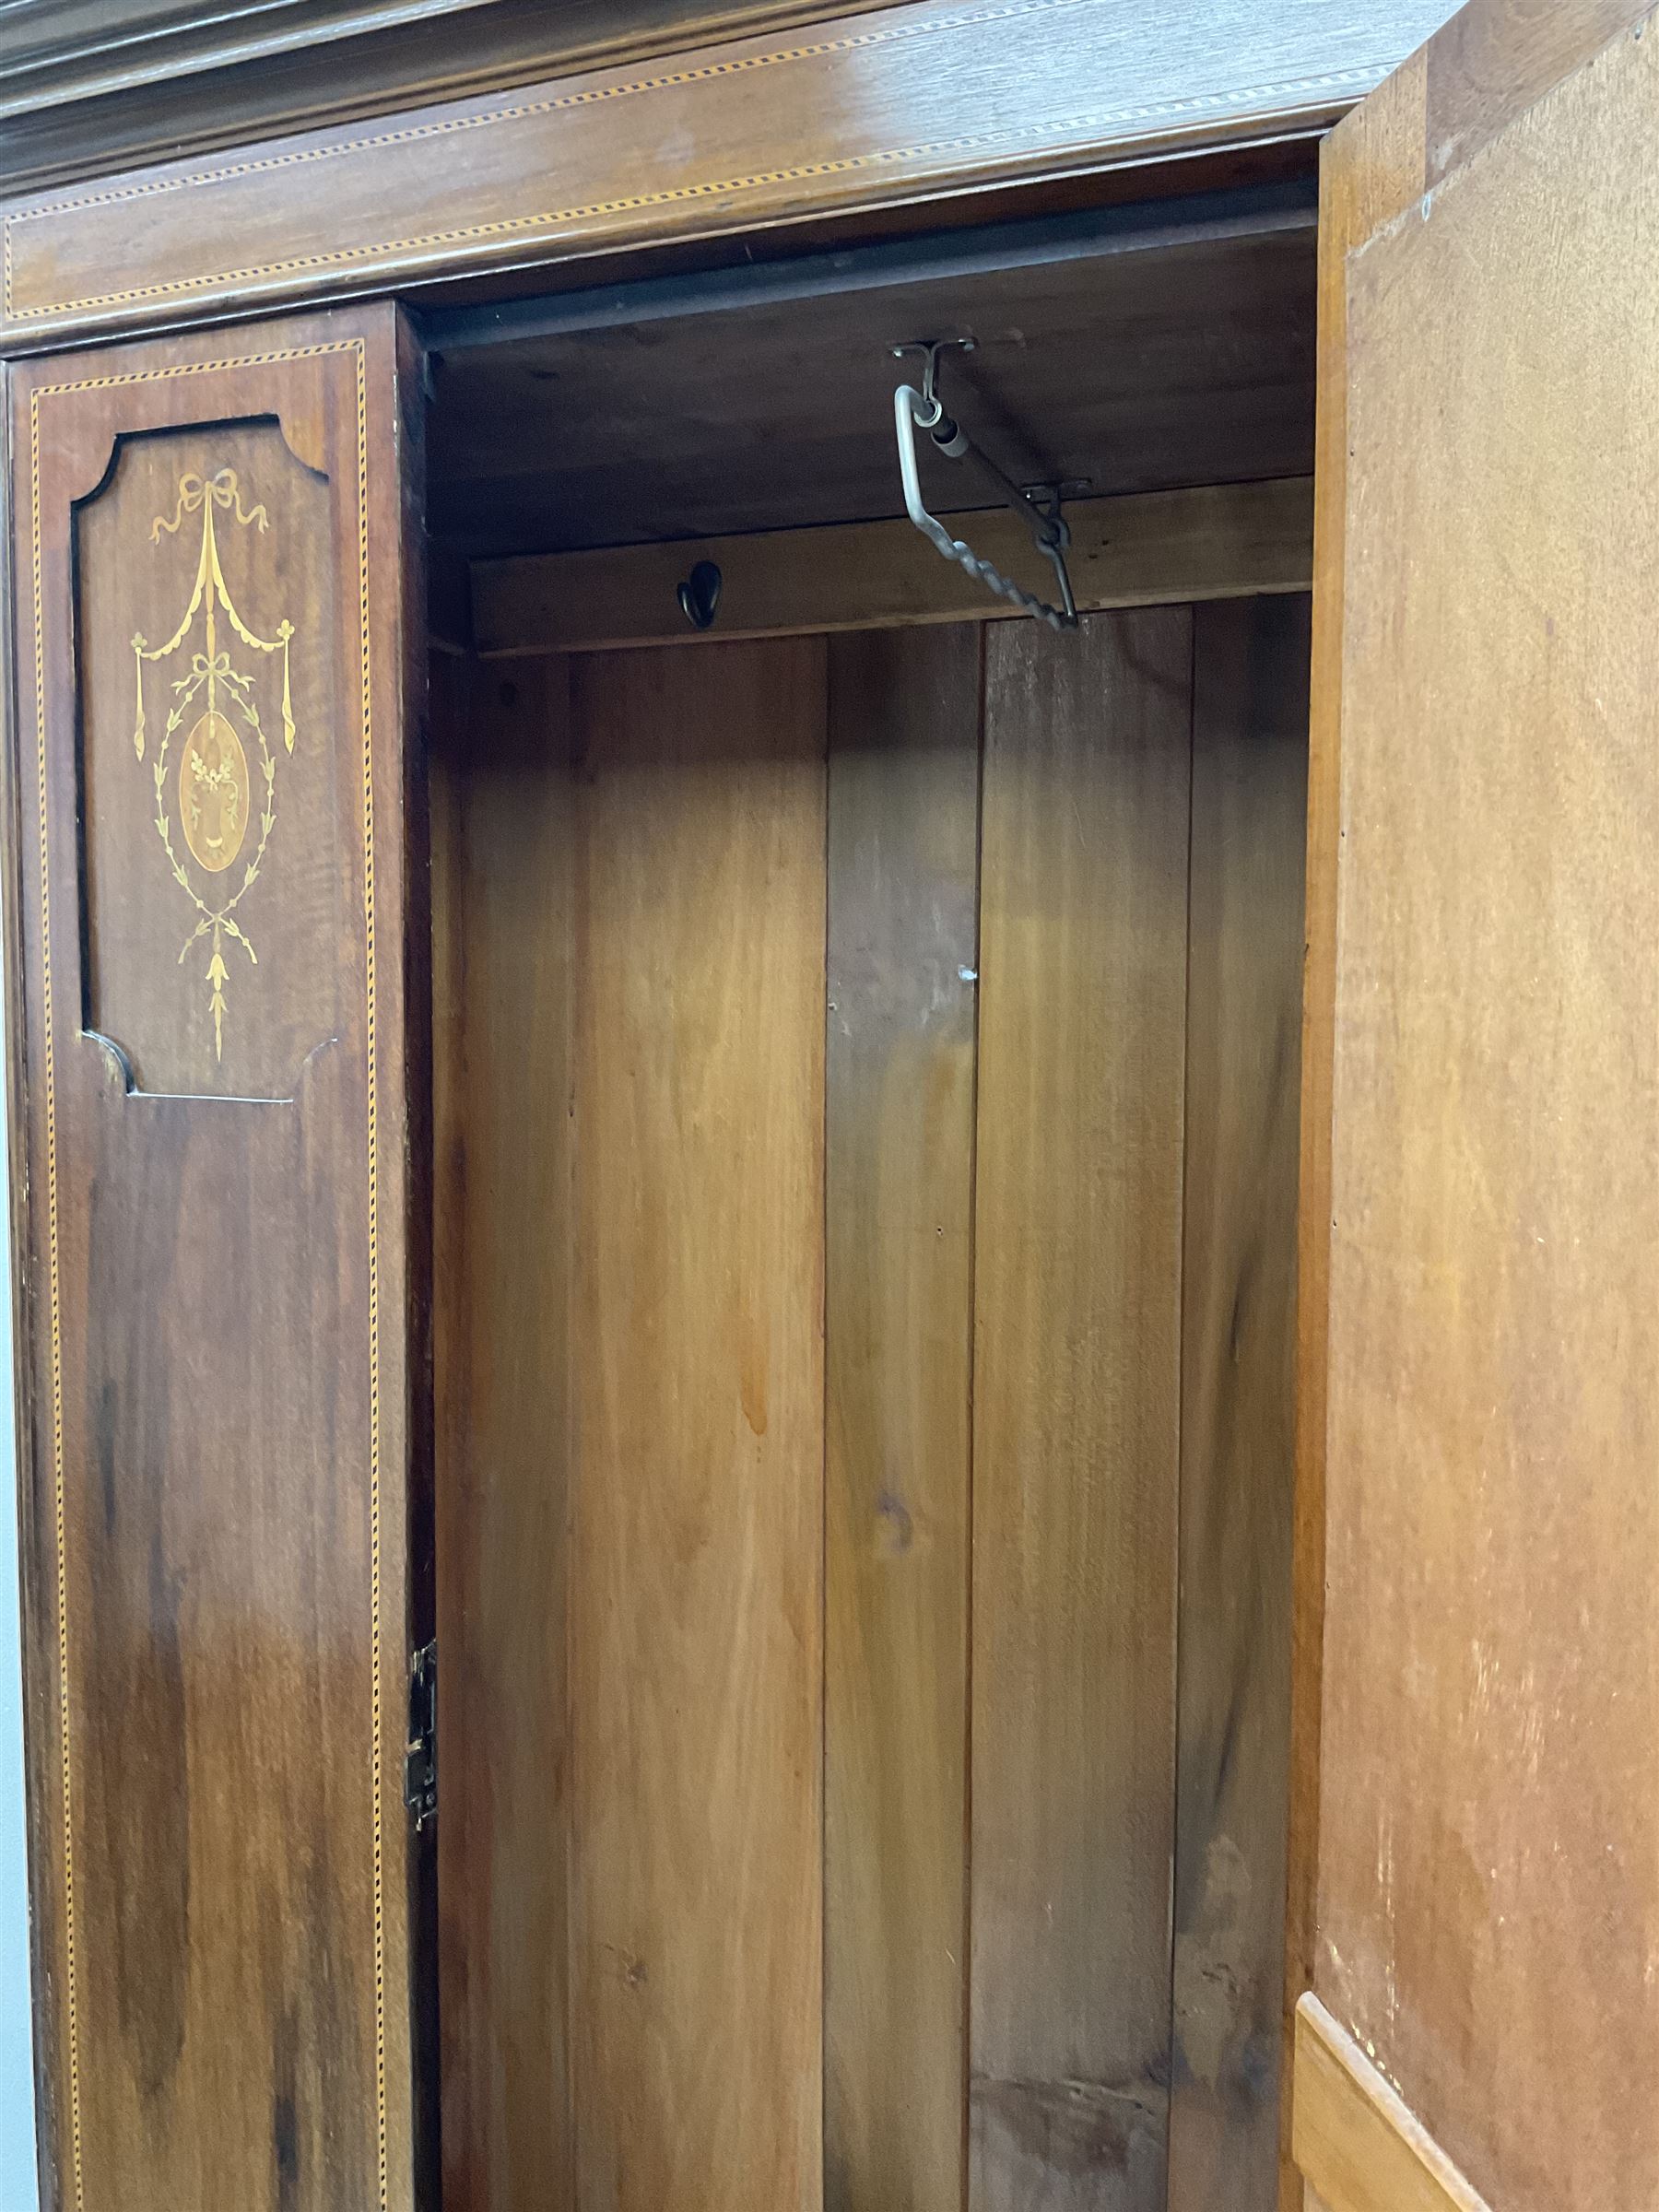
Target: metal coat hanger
{"points": [[1039, 511]]}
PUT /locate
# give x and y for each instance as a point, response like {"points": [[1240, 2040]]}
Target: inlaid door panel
{"points": [[210, 729], [220, 1023]]}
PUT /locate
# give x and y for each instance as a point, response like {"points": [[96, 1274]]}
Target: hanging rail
{"points": [[924, 410]]}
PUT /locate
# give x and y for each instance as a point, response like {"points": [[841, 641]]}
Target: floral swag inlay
{"points": [[216, 795]]}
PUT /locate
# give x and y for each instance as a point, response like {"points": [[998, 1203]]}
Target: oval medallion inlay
{"points": [[213, 793]]}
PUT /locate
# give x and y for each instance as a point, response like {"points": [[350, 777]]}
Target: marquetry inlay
{"points": [[213, 795]]}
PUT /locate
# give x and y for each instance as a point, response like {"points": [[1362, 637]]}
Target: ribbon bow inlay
{"points": [[195, 493]]}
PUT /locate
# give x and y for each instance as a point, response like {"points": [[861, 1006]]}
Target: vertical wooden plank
{"points": [[1369, 170], [1077, 1310], [904, 716], [27, 1411], [504, 1151], [697, 1592], [1250, 716]]}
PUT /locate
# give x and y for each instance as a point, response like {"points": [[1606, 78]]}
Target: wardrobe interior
{"points": [[866, 1047]]}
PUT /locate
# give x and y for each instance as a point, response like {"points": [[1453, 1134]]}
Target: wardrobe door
{"points": [[1480, 1275], [219, 1014]]}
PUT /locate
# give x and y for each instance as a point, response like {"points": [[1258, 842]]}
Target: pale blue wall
{"points": [[16, 2093]]}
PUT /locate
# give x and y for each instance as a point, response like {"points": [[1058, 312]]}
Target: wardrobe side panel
{"points": [[1077, 1380], [502, 851], [904, 724], [1250, 750], [697, 1590], [223, 1000], [1489, 1848]]}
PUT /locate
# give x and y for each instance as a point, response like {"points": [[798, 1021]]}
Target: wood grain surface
{"points": [[893, 104], [224, 1487], [1144, 549], [1249, 712], [703, 417], [1495, 58], [16, 1139], [92, 86], [995, 1909], [1486, 1892], [136, 573], [903, 729], [1368, 171], [1360, 2144], [1076, 1379], [503, 992], [104, 85], [697, 1589]]}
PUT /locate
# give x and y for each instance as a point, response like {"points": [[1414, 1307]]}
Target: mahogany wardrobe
{"points": [[831, 894]]}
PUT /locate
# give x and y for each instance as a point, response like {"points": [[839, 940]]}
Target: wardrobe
{"points": [[828, 887]]}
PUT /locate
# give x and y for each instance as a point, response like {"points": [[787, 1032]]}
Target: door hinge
{"points": [[420, 1761]]}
